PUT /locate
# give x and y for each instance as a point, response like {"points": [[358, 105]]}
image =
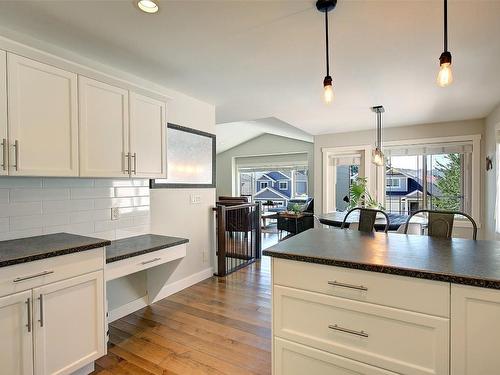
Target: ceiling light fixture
{"points": [[378, 155], [445, 76], [326, 6], [148, 6]]}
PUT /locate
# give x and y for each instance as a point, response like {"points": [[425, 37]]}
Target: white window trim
{"points": [[328, 204], [475, 139], [263, 182], [398, 179], [282, 182]]}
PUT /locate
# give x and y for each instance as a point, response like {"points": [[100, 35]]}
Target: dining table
{"points": [[335, 219]]}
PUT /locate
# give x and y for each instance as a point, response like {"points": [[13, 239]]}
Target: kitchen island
{"points": [[349, 302]]}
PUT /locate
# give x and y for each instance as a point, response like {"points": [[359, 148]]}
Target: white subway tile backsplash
{"points": [[131, 192], [4, 195], [4, 224], [34, 206], [20, 209], [79, 193], [54, 182], [33, 195], [20, 182], [67, 205]]}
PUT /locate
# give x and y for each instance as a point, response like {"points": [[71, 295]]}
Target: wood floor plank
{"points": [[218, 326]]}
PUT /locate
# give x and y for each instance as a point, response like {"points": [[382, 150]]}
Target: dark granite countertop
{"points": [[460, 261], [138, 245], [29, 249]]}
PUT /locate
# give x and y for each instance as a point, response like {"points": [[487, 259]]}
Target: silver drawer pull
{"points": [[41, 320], [347, 330], [28, 304], [44, 273], [5, 152], [150, 261], [350, 286]]}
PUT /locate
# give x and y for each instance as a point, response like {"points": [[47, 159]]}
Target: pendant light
{"points": [[445, 76], [326, 6], [378, 155]]}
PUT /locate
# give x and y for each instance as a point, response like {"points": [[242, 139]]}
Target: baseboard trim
{"points": [[181, 284], [128, 308]]}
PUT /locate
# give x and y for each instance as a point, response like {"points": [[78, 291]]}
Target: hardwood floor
{"points": [[219, 326]]}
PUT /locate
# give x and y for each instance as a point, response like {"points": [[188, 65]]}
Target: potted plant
{"points": [[359, 195]]}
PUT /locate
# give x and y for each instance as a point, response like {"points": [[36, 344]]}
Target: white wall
{"points": [[491, 136], [266, 144], [455, 128], [35, 206]]}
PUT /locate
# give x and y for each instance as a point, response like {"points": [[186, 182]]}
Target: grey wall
{"points": [[263, 145]]}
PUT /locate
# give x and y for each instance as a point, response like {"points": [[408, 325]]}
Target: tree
{"points": [[449, 183]]}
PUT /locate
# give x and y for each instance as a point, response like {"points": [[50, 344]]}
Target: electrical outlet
{"points": [[195, 199], [115, 213]]}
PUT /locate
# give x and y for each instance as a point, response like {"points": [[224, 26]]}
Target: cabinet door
{"points": [[4, 148], [43, 119], [104, 129], [69, 324], [147, 136], [475, 330], [16, 345]]}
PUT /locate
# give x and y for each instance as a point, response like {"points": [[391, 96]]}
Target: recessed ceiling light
{"points": [[148, 6]]}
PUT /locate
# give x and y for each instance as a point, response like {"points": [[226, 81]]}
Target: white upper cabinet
{"points": [[104, 130], [147, 136], [4, 148], [16, 344], [42, 119]]}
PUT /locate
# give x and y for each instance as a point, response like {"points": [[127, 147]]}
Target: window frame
{"points": [[282, 182], [263, 182], [474, 139]]}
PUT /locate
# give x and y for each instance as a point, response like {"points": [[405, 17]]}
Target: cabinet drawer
{"points": [[142, 262], [425, 296], [295, 359], [50, 270], [401, 341]]}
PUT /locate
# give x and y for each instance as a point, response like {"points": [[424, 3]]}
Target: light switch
{"points": [[195, 199]]}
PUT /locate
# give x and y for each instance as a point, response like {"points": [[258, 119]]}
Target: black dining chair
{"points": [[367, 217], [440, 223]]}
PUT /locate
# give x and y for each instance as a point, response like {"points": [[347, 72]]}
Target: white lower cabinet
{"points": [[295, 359], [362, 328], [475, 331], [53, 327], [16, 346], [69, 322]]}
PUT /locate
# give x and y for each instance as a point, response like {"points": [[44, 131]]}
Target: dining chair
{"points": [[440, 223], [367, 217]]}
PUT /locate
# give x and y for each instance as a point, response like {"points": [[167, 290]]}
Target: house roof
{"points": [[270, 193], [266, 177], [277, 175]]}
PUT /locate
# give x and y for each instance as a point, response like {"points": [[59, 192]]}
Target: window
{"points": [[438, 178], [393, 182], [263, 185], [293, 181], [283, 185]]}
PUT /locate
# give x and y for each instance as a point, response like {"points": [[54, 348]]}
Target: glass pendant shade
{"points": [[328, 90], [378, 157], [445, 75]]}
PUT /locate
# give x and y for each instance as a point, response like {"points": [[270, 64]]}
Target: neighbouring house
{"points": [[274, 186], [404, 191]]}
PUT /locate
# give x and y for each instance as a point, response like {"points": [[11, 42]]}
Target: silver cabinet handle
{"points": [[44, 273], [5, 153], [126, 167], [150, 261], [135, 163], [41, 310], [28, 304], [349, 286], [16, 155], [347, 330]]}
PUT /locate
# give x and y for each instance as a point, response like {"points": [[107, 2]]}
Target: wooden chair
{"points": [[367, 217], [440, 223]]}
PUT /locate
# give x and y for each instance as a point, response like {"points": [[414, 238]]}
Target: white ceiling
{"points": [[260, 59], [231, 134]]}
